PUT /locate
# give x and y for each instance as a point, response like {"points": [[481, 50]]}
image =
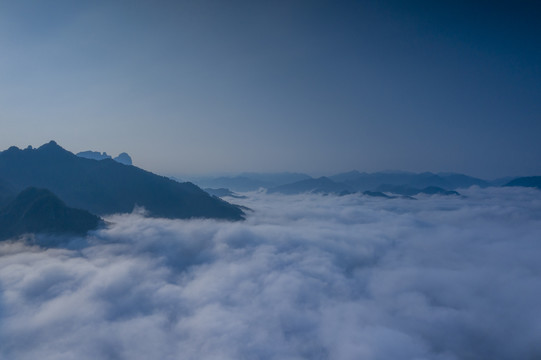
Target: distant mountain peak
{"points": [[50, 145], [526, 181], [52, 148], [94, 155], [122, 158]]}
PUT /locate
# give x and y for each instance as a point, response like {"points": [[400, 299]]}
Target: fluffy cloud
{"points": [[309, 276]]}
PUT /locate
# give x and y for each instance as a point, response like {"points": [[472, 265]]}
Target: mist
{"points": [[308, 276]]}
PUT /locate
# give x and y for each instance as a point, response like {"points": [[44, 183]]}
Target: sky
{"points": [[191, 87], [304, 277]]}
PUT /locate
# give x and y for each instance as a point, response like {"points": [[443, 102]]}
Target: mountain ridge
{"points": [[352, 181], [526, 181], [322, 184], [106, 186]]}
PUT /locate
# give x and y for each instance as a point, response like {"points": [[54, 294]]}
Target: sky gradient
{"points": [[312, 86]]}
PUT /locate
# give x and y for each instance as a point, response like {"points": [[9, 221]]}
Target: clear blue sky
{"points": [[312, 86]]}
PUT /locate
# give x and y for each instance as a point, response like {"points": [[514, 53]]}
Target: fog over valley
{"points": [[304, 276]]}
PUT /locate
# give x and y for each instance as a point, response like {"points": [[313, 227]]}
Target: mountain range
{"points": [[249, 181], [105, 186], [528, 181], [53, 190], [371, 181], [391, 182], [320, 185]]}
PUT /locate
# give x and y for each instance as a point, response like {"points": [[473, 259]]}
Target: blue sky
{"points": [[313, 86]]}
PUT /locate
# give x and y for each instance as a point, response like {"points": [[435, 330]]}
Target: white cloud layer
{"points": [[305, 277]]}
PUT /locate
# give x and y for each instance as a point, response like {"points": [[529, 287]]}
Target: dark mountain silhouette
{"points": [[410, 191], [501, 181], [40, 211], [370, 182], [400, 183], [106, 186], [250, 181], [461, 181], [528, 181], [352, 181], [319, 185], [221, 192], [364, 181]]}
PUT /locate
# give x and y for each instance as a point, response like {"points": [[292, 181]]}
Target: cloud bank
{"points": [[305, 277]]}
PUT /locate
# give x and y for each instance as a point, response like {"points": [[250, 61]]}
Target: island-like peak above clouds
{"points": [[371, 181], [352, 181], [527, 181], [249, 181], [106, 186], [322, 185], [40, 211]]}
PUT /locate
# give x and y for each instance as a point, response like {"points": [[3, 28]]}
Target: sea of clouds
{"points": [[304, 277]]}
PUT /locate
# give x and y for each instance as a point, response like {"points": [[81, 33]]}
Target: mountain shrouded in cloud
{"points": [[400, 183], [107, 186], [371, 181], [528, 181], [372, 184], [40, 211], [319, 185], [304, 277], [222, 192], [250, 181]]}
